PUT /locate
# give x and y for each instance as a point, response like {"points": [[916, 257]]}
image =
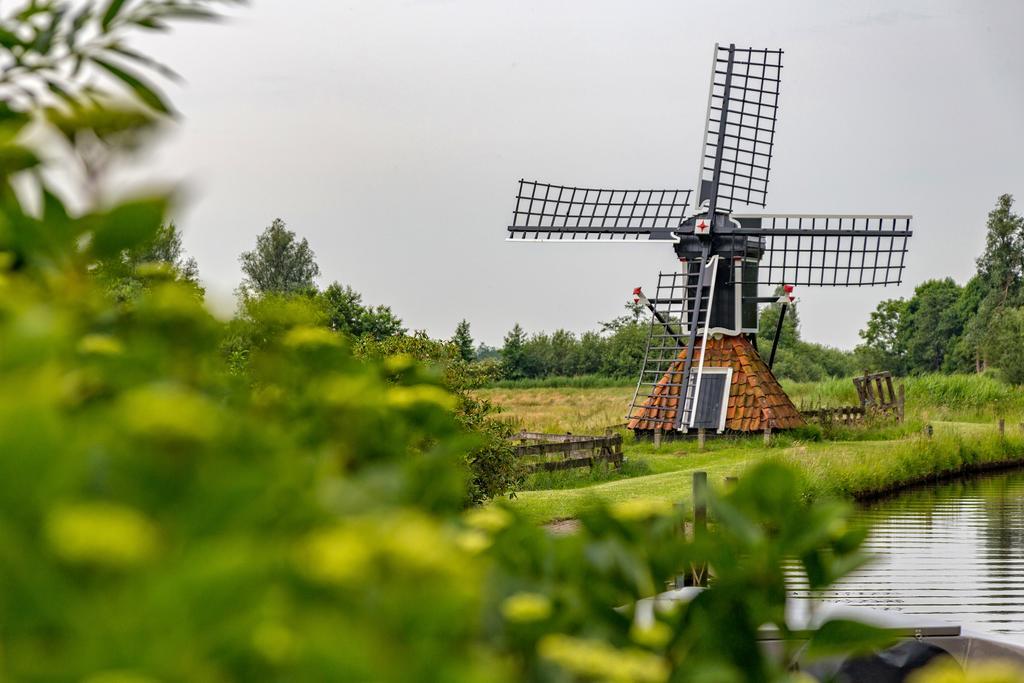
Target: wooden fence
{"points": [[846, 415], [574, 450], [878, 397]]}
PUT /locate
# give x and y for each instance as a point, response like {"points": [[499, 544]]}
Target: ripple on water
{"points": [[953, 551]]}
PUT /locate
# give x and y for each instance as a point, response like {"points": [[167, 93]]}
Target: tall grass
{"points": [[934, 396]]}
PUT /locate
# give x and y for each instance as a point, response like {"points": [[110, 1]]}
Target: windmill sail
{"points": [[559, 212], [739, 133], [826, 250]]}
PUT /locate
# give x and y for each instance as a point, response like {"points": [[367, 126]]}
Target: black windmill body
{"points": [[701, 367]]}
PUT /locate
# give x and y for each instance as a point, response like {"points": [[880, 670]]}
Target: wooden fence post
{"points": [[700, 439], [700, 501], [699, 572], [657, 437], [1002, 426], [901, 399], [768, 433]]}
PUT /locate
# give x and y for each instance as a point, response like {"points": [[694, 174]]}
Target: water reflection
{"points": [[954, 550]]}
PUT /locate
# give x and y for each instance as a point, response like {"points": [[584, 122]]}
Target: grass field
{"points": [[559, 410], [850, 462]]}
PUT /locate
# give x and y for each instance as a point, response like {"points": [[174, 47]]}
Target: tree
{"points": [[512, 353], [1000, 272], [346, 313], [280, 262], [121, 273], [883, 337], [1001, 265], [463, 341], [487, 352], [1006, 344], [932, 324]]}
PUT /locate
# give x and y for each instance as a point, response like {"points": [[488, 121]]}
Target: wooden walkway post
{"points": [[698, 571], [700, 501]]}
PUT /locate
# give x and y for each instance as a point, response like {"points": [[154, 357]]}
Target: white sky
{"points": [[392, 135]]}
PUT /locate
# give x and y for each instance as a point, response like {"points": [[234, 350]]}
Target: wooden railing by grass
{"points": [[877, 397], [846, 415], [575, 450]]}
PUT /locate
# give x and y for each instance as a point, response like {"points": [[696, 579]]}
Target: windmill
{"points": [[701, 367]]}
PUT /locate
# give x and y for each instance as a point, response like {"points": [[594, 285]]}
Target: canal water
{"points": [[953, 551]]}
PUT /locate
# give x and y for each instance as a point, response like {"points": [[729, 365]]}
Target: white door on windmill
{"points": [[713, 402]]}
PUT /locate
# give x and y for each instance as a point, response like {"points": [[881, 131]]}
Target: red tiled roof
{"points": [[755, 397]]}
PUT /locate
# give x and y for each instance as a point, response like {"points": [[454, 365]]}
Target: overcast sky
{"points": [[392, 135]]}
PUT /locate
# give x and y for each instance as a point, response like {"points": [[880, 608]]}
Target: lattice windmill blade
{"points": [[546, 212], [739, 134], [826, 250]]}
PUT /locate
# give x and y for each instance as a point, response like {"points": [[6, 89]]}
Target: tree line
{"points": [[947, 327], [943, 327]]}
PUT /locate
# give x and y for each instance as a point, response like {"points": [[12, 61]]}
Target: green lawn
{"points": [[846, 469]]}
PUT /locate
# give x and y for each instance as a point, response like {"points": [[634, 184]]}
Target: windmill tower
{"points": [[701, 367]]}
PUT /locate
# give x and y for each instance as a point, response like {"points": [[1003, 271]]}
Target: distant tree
{"points": [[932, 325], [487, 352], [280, 263], [122, 274], [463, 341], [634, 311], [883, 347], [1001, 265], [346, 313], [1006, 350], [966, 352], [592, 349], [512, 353], [1000, 274]]}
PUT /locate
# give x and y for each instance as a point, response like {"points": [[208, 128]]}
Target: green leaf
{"points": [[59, 90], [113, 9], [845, 636], [15, 158], [8, 39], [145, 92], [127, 225], [162, 69]]}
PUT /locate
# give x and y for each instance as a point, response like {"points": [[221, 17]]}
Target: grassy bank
{"points": [[842, 462], [843, 469]]}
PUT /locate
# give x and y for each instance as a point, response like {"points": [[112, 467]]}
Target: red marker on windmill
{"points": [[787, 295], [701, 226]]}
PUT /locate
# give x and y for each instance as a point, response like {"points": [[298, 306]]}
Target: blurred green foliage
{"points": [[187, 499]]}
